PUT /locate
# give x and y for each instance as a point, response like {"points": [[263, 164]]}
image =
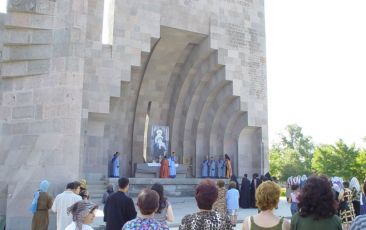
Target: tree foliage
{"points": [[294, 139], [360, 165], [292, 155], [295, 155], [339, 160]]}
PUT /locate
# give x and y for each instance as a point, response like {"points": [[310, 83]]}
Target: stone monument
{"points": [[68, 101]]}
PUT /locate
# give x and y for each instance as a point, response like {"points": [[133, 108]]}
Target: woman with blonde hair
{"points": [[267, 198], [232, 201]]}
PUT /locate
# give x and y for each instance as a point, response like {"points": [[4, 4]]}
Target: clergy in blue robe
{"points": [[212, 168], [115, 165], [172, 170], [204, 168], [221, 168]]}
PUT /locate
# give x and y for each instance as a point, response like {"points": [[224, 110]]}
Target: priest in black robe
{"points": [[253, 186], [244, 200]]}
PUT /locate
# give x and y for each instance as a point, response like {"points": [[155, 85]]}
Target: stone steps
{"points": [[96, 190], [177, 187]]}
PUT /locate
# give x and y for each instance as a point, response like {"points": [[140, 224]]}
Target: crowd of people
{"points": [[72, 208], [346, 200], [220, 168], [317, 202]]}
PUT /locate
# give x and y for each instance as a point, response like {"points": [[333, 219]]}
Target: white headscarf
{"points": [[296, 180], [355, 184], [289, 181], [338, 181], [336, 188]]}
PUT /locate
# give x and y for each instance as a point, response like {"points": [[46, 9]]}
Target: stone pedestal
{"points": [[152, 170]]}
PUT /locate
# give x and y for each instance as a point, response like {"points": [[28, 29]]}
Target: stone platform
{"points": [[177, 187], [152, 170]]}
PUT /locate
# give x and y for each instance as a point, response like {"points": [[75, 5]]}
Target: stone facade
{"points": [[68, 102]]}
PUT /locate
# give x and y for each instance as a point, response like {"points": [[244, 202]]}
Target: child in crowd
{"points": [[232, 201], [294, 198]]}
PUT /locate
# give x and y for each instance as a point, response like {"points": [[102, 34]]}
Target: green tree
{"points": [[294, 139], [337, 160], [359, 167], [275, 158], [292, 155]]}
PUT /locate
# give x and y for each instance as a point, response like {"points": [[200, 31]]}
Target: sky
{"points": [[3, 6], [316, 68]]}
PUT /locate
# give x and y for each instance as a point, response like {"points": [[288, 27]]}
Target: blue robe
{"points": [[115, 166], [204, 168], [213, 169], [221, 168], [172, 170]]}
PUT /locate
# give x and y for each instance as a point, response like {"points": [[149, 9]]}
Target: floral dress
{"points": [[144, 224]]}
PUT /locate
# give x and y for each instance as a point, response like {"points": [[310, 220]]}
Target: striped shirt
{"points": [[359, 223]]}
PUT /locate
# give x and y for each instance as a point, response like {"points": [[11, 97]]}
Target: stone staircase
{"points": [[96, 190]]}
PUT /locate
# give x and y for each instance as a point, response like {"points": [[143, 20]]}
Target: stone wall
{"points": [[68, 102], [41, 96]]}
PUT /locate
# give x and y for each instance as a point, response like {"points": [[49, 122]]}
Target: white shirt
{"points": [[60, 205], [72, 226]]}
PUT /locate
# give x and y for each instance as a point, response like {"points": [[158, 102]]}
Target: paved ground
{"points": [[186, 205]]}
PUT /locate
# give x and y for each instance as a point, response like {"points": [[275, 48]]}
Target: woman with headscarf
{"points": [[41, 203], [83, 213], [288, 189], [115, 165], [355, 187], [302, 181]]}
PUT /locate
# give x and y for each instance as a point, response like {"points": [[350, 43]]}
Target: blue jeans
{"points": [[294, 208]]}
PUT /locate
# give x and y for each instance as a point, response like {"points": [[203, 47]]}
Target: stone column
{"points": [[41, 88]]}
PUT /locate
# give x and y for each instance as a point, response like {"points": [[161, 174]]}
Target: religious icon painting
{"points": [[159, 141]]}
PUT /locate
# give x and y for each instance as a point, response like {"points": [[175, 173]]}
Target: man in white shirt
{"points": [[64, 200]]}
